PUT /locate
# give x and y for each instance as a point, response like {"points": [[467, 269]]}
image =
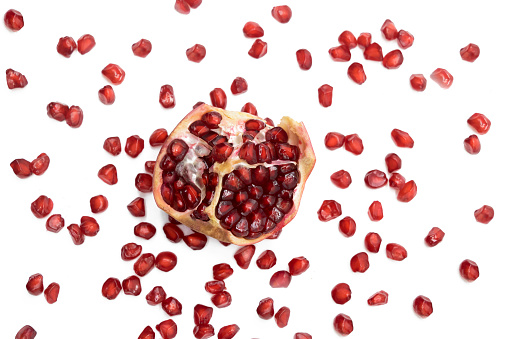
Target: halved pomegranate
{"points": [[232, 176]]}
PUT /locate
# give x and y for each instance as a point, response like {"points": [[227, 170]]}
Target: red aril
{"points": [[329, 210], [149, 166], [373, 52], [484, 214], [341, 293], [375, 211], [282, 14], [203, 331], [325, 95], [35, 285], [238, 86], [407, 192], [85, 43], [112, 145], [258, 49], [195, 241], [265, 309], [167, 328], [137, 207], [107, 95], [341, 179], [196, 53], [143, 182], [389, 30], [249, 108], [340, 53], [396, 252], [182, 7], [222, 299], [51, 293], [111, 288], [244, 255], [469, 270], [114, 74], [372, 242], [40, 164], [334, 140], [304, 59], [472, 144], [298, 265], [353, 144], [144, 230], [130, 251], [405, 39], [156, 296], [166, 96], [228, 332], [379, 298], [166, 261], [302, 335], [144, 264], [13, 20], [393, 59], [359, 262], [57, 111], [343, 324], [423, 306], [21, 168], [280, 279], [266, 260], [134, 146], [142, 48], [147, 333], [55, 223], [108, 174], [402, 139], [215, 286], [347, 226], [375, 179], [26, 332], [74, 116], [89, 226], [480, 123], [397, 181], [172, 306], [42, 206], [15, 79], [418, 82], [470, 52], [434, 237], [66, 46], [364, 40], [173, 233], [356, 73], [393, 162], [218, 98], [282, 316], [222, 271], [76, 234], [252, 30], [202, 314], [347, 39], [442, 77]]}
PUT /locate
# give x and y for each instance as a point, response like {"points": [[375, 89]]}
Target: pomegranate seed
{"points": [[215, 286], [343, 324], [348, 39], [266, 260], [249, 108], [182, 7], [228, 332], [329, 210], [134, 146], [304, 59], [21, 168], [393, 59], [364, 40], [14, 21], [167, 328], [130, 251], [423, 306], [149, 166], [359, 262], [142, 48], [107, 95], [373, 52], [302, 335], [389, 30], [265, 309], [166, 96], [148, 333], [480, 123], [282, 14], [196, 53], [405, 39], [443, 78], [15, 79], [407, 192], [132, 285], [402, 139], [173, 232], [341, 293], [144, 264], [298, 265], [393, 162], [203, 331], [172, 306], [195, 241], [158, 137], [397, 181], [221, 299], [111, 288], [26, 332], [340, 53], [108, 174], [258, 49], [40, 164], [470, 52], [77, 235], [57, 111], [372, 242], [74, 117], [222, 271], [469, 270], [35, 284], [98, 204], [484, 214], [144, 230], [137, 207], [347, 226], [396, 252], [218, 98], [239, 85], [354, 144], [418, 82], [89, 226], [375, 179], [244, 255], [114, 74], [379, 298], [143, 182], [42, 206], [269, 122], [156, 296], [325, 95], [202, 314], [55, 223], [112, 145], [252, 30], [375, 211], [85, 43], [434, 237], [166, 261], [341, 179], [356, 73], [282, 316], [472, 144], [51, 293], [280, 279], [66, 46], [334, 140], [193, 3]]}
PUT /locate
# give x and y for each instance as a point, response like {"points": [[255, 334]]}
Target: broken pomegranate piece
{"points": [[15, 79], [442, 77], [379, 298], [480, 123], [484, 214], [343, 324], [13, 20], [66, 46], [423, 306], [469, 270], [470, 52], [282, 14]]}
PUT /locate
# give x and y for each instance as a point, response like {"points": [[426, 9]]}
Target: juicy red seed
{"points": [[397, 181], [149, 166], [42, 206], [276, 135], [144, 264], [51, 293], [249, 108], [89, 226], [130, 251], [373, 52], [356, 73], [193, 3], [98, 204], [341, 293], [14, 21], [244, 255], [484, 214], [302, 335], [144, 230], [202, 314], [40, 164], [26, 332], [167, 96], [35, 285], [221, 299], [265, 309], [107, 95], [166, 261], [203, 331], [143, 182], [282, 14], [182, 7], [218, 98], [239, 85], [156, 296], [252, 30], [215, 286], [173, 232], [221, 152], [66, 46], [341, 179], [177, 149], [434, 237], [359, 262], [21, 168], [111, 288], [196, 53], [348, 39], [329, 210], [418, 82], [298, 265], [407, 192], [379, 298], [134, 146], [375, 211], [74, 117], [112, 145], [254, 125], [334, 140], [114, 73], [280, 279], [108, 174], [266, 260], [85, 43], [167, 328], [172, 306], [304, 59], [57, 110], [402, 139], [389, 30], [395, 252], [472, 144], [282, 316], [405, 39], [147, 333], [375, 179], [480, 123], [469, 270], [228, 332], [340, 53], [372, 242], [258, 49], [15, 79], [325, 95], [137, 207], [222, 271], [393, 162], [269, 122], [195, 241], [470, 52], [423, 306], [343, 324], [354, 144], [76, 234], [364, 40], [55, 223], [142, 48], [393, 59], [347, 226], [442, 77]]}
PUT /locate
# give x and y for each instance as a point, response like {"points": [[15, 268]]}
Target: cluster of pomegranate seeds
{"points": [[13, 20], [142, 48], [15, 79], [107, 95], [23, 169], [114, 73], [73, 115]]}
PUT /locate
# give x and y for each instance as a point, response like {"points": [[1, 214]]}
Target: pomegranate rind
{"points": [[232, 121]]}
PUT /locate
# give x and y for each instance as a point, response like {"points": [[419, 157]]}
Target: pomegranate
{"points": [[21, 168], [203, 331], [107, 95], [341, 179], [215, 286], [405, 39], [373, 52], [156, 296], [434, 237], [347, 226], [202, 314], [196, 53], [418, 82], [147, 333], [372, 242], [325, 95], [244, 255], [334, 140], [266, 260], [76, 234], [231, 176], [483, 215], [258, 49], [442, 77], [389, 30], [167, 329], [114, 74], [298, 265], [221, 299]]}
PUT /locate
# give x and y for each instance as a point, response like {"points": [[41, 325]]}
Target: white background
{"points": [[452, 184]]}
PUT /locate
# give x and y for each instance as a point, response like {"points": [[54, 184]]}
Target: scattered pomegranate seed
{"points": [[325, 95], [356, 73], [26, 332], [373, 52], [407, 192], [15, 79], [147, 333], [393, 162], [258, 49], [40, 164], [379, 298], [443, 78], [252, 30], [166, 96], [375, 211], [347, 39], [375, 179], [239, 85], [397, 181], [132, 285], [182, 7], [470, 52], [423, 306], [249, 108], [282, 316], [85, 43], [130, 251], [329, 210], [107, 95], [42, 206], [343, 324], [137, 207], [35, 284], [395, 252], [405, 39], [134, 146], [434, 237], [196, 53], [172, 306], [359, 262], [166, 261], [340, 53], [218, 98], [280, 279], [114, 73], [222, 271], [298, 265], [484, 214], [195, 241], [418, 82], [143, 182], [347, 226], [354, 144], [149, 166], [21, 168], [158, 137], [469, 270], [14, 21], [202, 314], [364, 40], [472, 144], [282, 14], [89, 226], [480, 123], [193, 3], [74, 117], [269, 122], [144, 264], [55, 223], [393, 59], [111, 288], [76, 234], [402, 139], [244, 255], [341, 293], [302, 335], [389, 30], [215, 286], [222, 299], [334, 140], [304, 59], [203, 331], [142, 48], [341, 179], [66, 46], [156, 296], [144, 230], [173, 232], [228, 332], [372, 242], [265, 309], [57, 111], [51, 293], [167, 328], [113, 146], [266, 260]]}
